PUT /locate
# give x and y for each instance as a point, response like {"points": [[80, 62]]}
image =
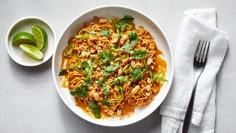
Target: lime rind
{"points": [[23, 38]]}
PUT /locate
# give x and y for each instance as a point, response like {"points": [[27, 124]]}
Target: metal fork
{"points": [[199, 64]]}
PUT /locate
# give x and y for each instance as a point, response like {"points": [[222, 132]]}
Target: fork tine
{"points": [[202, 51], [197, 53], [203, 46], [206, 51]]}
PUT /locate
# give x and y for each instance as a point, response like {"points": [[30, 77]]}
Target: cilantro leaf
{"points": [[116, 46], [95, 109], [84, 36], [104, 102], [87, 67], [106, 90], [88, 81], [136, 74], [127, 47], [126, 19], [124, 22], [157, 77], [105, 32], [106, 56], [121, 79], [139, 54], [80, 92], [62, 72], [109, 69], [133, 37], [101, 81]]}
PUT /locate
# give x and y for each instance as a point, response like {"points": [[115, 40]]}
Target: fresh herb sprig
{"points": [[133, 37], [136, 74], [95, 109], [106, 56], [139, 54], [122, 24]]}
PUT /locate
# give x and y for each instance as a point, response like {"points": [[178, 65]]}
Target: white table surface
{"points": [[29, 102]]}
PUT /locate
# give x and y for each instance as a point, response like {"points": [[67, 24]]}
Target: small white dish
{"points": [[24, 25]]}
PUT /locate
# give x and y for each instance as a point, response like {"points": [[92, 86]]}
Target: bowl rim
{"points": [[28, 18], [97, 8]]}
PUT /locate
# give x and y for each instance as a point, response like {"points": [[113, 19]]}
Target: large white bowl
{"points": [[108, 12]]}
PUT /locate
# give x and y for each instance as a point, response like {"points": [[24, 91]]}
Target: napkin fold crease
{"points": [[197, 24]]}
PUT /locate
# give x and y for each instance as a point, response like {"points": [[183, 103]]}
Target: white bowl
{"points": [[24, 25], [108, 12]]}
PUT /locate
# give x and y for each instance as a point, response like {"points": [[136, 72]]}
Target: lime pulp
{"points": [[31, 51], [40, 37]]}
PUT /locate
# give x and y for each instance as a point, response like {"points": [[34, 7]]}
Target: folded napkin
{"points": [[197, 24]]}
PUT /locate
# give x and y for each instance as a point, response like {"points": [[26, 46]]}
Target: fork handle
{"points": [[188, 115]]}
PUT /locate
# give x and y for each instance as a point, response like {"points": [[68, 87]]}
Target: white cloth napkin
{"points": [[197, 24]]}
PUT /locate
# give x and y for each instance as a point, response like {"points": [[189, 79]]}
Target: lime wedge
{"points": [[31, 51], [23, 38], [40, 37]]}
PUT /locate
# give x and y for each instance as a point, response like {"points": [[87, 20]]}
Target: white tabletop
{"points": [[29, 102]]}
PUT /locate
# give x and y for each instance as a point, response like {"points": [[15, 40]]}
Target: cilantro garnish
{"points": [[95, 109], [116, 46], [87, 67], [101, 81], [122, 24], [133, 37], [126, 19], [105, 32], [104, 102], [139, 54], [108, 70], [88, 81], [62, 72], [105, 91], [121, 79], [136, 74], [106, 56], [80, 91]]}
